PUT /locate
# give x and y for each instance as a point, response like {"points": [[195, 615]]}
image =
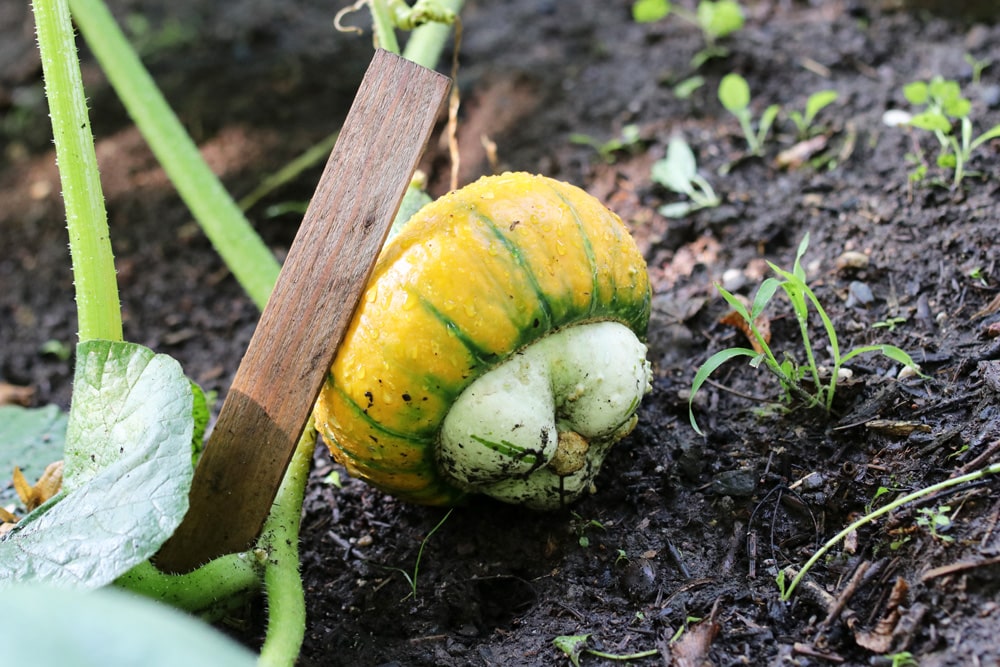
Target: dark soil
{"points": [[682, 527]]}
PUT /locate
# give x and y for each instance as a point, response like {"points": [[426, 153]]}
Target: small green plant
{"points": [[575, 645], [685, 89], [580, 526], [902, 659], [979, 275], [943, 106], [935, 520], [627, 140], [793, 377], [977, 67], [678, 172], [411, 580], [715, 18], [881, 491], [804, 120], [734, 93], [889, 323], [869, 517]]}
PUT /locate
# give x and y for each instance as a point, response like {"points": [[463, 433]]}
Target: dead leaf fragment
{"points": [[879, 639], [763, 324], [898, 429], [11, 394], [797, 155], [47, 486]]}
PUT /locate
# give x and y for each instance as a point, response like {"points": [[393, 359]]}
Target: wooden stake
{"points": [[310, 308]]}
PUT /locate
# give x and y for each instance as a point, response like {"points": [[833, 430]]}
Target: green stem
{"points": [[286, 625], [620, 656], [868, 518], [207, 590], [246, 255], [98, 307], [314, 155], [385, 33], [427, 42]]}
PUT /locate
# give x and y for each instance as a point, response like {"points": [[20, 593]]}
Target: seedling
{"points": [[804, 120], [802, 382], [734, 93], [411, 580], [944, 105], [628, 140], [902, 659], [889, 323], [575, 645], [715, 18], [580, 526], [935, 520], [678, 172], [977, 67], [685, 89], [902, 501]]}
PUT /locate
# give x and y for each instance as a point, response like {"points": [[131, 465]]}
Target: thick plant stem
{"points": [[246, 255], [385, 35], [207, 590], [427, 42], [98, 307], [286, 624]]}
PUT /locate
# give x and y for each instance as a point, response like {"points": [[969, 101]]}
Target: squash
{"points": [[502, 326]]}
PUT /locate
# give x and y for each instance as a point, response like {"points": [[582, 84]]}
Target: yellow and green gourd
{"points": [[497, 348]]}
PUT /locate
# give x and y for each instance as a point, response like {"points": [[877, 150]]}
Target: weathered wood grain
{"points": [[311, 306]]}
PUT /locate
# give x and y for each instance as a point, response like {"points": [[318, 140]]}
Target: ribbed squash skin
{"points": [[472, 278]]}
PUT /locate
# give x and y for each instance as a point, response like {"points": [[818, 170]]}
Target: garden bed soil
{"points": [[681, 527]]}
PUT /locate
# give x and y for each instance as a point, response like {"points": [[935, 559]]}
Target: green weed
{"points": [[943, 107], [678, 172], [803, 382], [715, 18], [804, 120], [734, 93]]}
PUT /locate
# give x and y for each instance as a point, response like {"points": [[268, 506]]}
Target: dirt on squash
{"points": [[679, 547]]}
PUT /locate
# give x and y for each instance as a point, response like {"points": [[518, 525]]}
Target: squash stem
{"points": [[427, 42], [98, 306], [210, 590], [246, 255], [286, 624]]}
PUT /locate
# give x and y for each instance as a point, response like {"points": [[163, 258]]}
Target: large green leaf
{"points": [[128, 472], [52, 627], [30, 438]]}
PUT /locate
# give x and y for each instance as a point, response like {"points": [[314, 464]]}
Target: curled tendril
{"points": [[350, 9]]}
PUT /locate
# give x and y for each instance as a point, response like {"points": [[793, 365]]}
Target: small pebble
{"points": [[639, 579], [896, 117], [991, 96], [733, 280], [852, 259], [735, 483], [812, 481], [859, 294]]}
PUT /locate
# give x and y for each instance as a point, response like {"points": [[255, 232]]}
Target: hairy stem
{"points": [[98, 307], [286, 624], [246, 255], [209, 590]]}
